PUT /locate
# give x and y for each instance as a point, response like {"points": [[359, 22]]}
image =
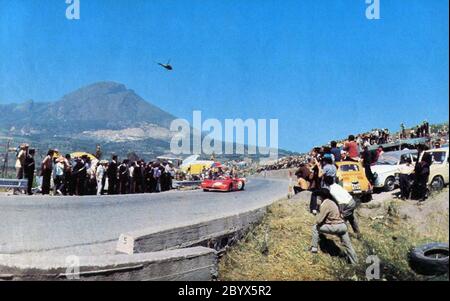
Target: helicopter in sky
{"points": [[166, 66]]}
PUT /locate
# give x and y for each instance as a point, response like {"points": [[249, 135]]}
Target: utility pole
{"points": [[98, 152]]}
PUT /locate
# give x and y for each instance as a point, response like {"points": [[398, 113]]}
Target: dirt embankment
{"points": [[277, 249], [426, 218]]}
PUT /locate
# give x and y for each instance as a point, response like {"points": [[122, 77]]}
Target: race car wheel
{"points": [[437, 184], [240, 185], [429, 259], [389, 184]]}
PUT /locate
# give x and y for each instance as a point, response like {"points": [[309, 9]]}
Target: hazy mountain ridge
{"points": [[105, 113], [104, 105]]}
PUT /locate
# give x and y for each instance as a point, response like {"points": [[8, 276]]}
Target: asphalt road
{"points": [[90, 224]]}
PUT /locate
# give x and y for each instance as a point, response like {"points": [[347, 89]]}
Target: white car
{"points": [[388, 165], [439, 169]]}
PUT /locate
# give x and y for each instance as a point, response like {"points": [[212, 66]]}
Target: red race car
{"points": [[223, 184]]}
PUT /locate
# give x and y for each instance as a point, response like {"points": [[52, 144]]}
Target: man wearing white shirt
{"points": [[99, 174], [346, 203], [405, 171]]}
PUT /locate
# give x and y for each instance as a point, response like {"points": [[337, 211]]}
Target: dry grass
{"points": [[277, 249]]}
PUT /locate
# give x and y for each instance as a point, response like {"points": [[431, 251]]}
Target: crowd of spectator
{"points": [[370, 139], [87, 175]]}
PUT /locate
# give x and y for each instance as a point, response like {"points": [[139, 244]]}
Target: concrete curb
{"points": [[193, 264]]}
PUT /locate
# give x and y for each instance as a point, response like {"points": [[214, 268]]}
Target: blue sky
{"points": [[319, 66]]}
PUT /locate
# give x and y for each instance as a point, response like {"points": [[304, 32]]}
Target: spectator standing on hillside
{"points": [[329, 221], [327, 174], [351, 147], [422, 173], [402, 131], [20, 162], [142, 167], [151, 183], [58, 175], [84, 179], [328, 170], [405, 171], [124, 177], [69, 182], [360, 139], [138, 177], [99, 175], [157, 177], [112, 176], [29, 168], [91, 180], [46, 172], [131, 179], [315, 166], [79, 176], [170, 171], [427, 128], [336, 151], [366, 157]]}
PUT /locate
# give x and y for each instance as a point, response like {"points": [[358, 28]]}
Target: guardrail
{"points": [[13, 183], [186, 183]]}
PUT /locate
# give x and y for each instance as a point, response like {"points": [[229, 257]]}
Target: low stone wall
{"points": [[214, 234], [193, 264]]}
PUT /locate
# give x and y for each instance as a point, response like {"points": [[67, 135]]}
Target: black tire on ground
{"points": [[429, 259], [205, 190], [437, 184], [389, 184]]}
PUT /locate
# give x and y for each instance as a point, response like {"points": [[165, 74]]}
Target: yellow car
{"points": [[353, 178]]}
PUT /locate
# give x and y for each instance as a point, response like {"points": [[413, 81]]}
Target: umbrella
{"points": [[81, 154], [56, 154]]}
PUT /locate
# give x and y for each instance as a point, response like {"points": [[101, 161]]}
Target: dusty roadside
{"points": [[277, 249]]}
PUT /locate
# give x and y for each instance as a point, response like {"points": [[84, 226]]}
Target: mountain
{"points": [[105, 113], [104, 105]]}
